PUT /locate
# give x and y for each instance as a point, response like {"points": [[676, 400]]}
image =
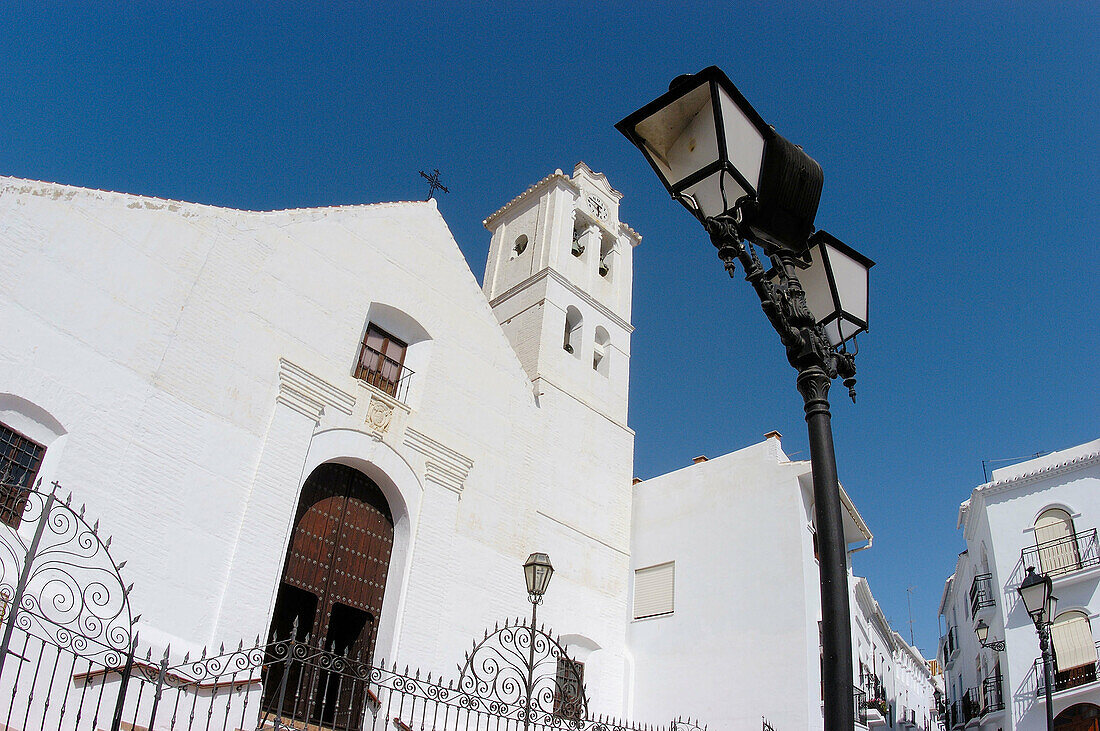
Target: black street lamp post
{"points": [[1036, 592], [537, 571], [747, 185]]}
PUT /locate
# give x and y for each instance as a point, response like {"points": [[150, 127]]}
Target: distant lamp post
{"points": [[537, 571], [1035, 592], [747, 185], [982, 631]]}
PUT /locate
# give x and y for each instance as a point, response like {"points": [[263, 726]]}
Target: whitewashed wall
{"points": [[197, 364]]}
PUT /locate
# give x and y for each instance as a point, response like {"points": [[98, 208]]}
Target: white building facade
{"points": [[215, 384], [1041, 513], [316, 423], [726, 601]]}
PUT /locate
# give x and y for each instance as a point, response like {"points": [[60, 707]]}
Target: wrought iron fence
{"points": [[70, 661], [68, 629], [981, 592], [1064, 555]]}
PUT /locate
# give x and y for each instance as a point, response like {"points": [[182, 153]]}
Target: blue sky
{"points": [[959, 143]]}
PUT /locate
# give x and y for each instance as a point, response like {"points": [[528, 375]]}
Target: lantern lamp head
{"points": [[537, 571], [717, 156], [1035, 592]]}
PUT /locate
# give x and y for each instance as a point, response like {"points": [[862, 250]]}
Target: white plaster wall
{"points": [[730, 653]]}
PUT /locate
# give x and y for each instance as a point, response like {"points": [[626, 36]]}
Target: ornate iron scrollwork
{"points": [[69, 590], [516, 662]]}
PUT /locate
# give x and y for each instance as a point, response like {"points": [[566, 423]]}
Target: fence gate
{"points": [[70, 660], [67, 647]]}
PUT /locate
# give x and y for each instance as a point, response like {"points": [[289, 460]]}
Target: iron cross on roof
{"points": [[433, 183]]}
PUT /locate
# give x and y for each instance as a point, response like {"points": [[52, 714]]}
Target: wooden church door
{"points": [[333, 583]]}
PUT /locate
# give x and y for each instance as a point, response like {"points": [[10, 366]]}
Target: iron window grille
{"points": [[20, 460], [569, 689]]}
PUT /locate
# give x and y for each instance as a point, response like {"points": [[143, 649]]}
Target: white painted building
{"points": [[894, 675], [1041, 513], [187, 370], [226, 389], [724, 564]]}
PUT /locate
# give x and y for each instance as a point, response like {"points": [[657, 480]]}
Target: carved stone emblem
{"points": [[379, 415]]}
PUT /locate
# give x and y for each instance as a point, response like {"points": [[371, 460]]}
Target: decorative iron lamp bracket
{"points": [[784, 302]]}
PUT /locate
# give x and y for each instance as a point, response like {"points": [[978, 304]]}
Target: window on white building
{"points": [[653, 590], [1074, 649], [1054, 537], [381, 360], [20, 459], [569, 689]]}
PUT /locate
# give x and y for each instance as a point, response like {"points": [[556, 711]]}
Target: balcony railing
{"points": [[384, 373], [1066, 679], [992, 695], [950, 644], [981, 592], [955, 717], [860, 700], [1064, 555], [972, 704]]}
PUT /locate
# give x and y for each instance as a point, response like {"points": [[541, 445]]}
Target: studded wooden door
{"points": [[334, 577]]}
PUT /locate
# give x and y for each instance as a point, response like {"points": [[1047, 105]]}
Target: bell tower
{"points": [[559, 278]]}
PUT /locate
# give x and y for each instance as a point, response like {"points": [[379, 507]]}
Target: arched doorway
{"points": [[333, 583], [1081, 717]]}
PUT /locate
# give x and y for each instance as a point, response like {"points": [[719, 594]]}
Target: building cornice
{"points": [[25, 186], [573, 289], [555, 177], [986, 490], [444, 466]]}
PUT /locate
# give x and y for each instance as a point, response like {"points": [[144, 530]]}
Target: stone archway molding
{"points": [[403, 491]]}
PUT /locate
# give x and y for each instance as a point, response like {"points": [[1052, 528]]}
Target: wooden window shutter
{"points": [[653, 590]]}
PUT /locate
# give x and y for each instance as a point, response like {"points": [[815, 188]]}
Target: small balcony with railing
{"points": [[981, 595], [1065, 558], [1069, 678], [950, 646], [963, 710], [972, 704], [859, 698], [384, 373], [993, 700], [955, 717]]}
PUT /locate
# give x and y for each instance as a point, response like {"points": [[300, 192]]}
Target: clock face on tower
{"points": [[597, 207]]}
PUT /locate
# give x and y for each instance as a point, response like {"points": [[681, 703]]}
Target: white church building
{"points": [[317, 422]]}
